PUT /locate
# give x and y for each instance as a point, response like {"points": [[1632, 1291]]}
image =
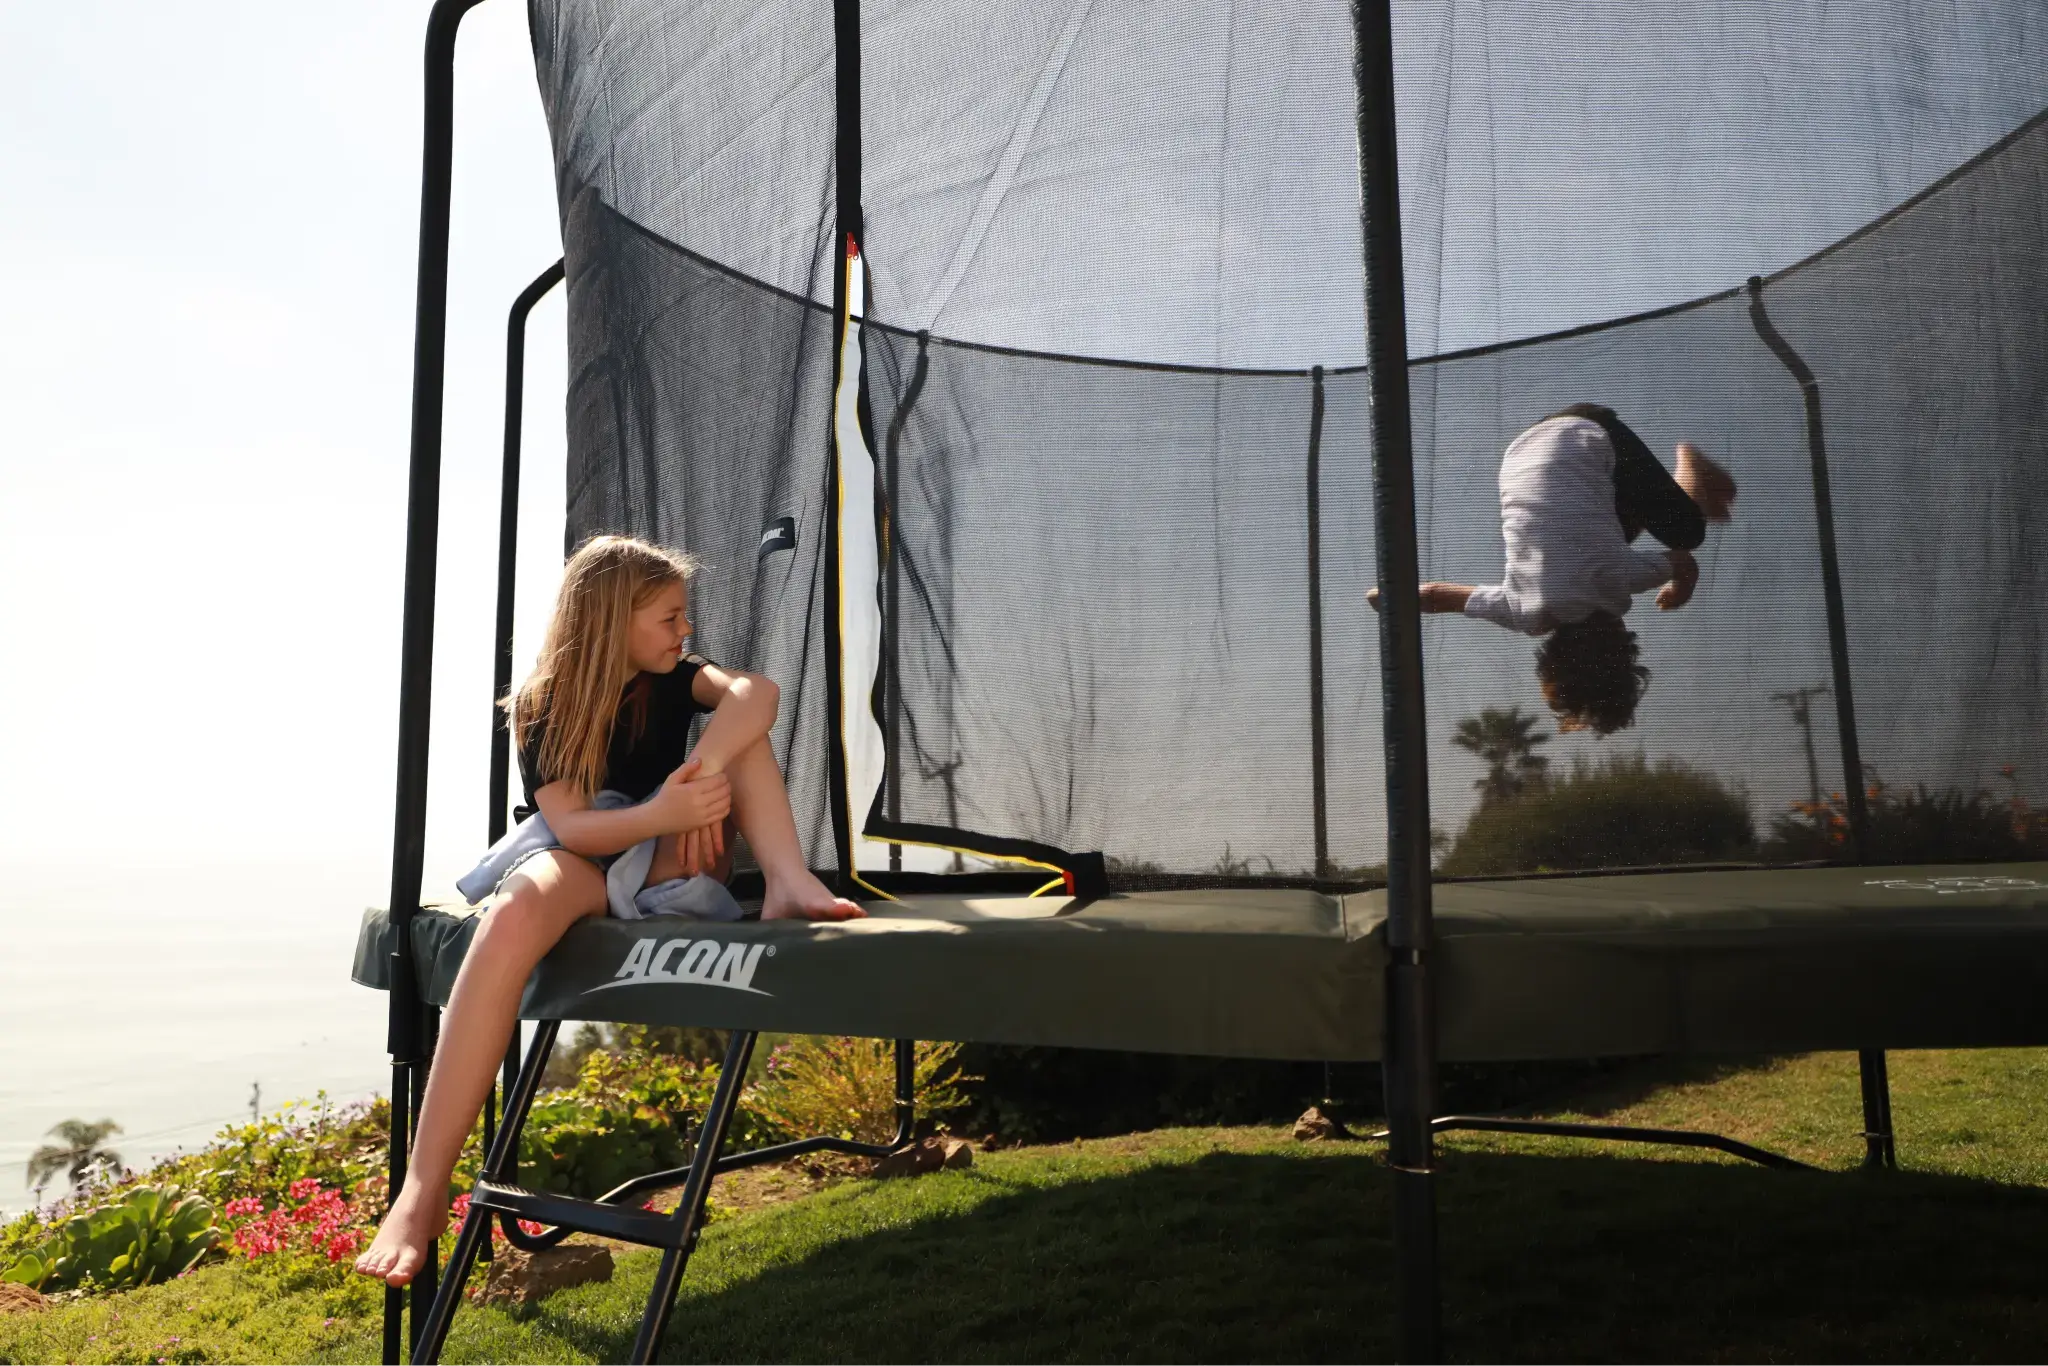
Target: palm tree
{"points": [[76, 1151], [1507, 741]]}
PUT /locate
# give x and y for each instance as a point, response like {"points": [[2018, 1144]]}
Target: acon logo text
{"points": [[690, 962], [1953, 886]]}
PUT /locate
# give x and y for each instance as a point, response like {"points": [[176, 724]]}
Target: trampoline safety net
{"points": [[1094, 547]]}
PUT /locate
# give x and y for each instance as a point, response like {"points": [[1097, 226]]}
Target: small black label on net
{"points": [[780, 535]]}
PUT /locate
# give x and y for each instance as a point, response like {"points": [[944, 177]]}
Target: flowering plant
{"points": [[313, 1220]]}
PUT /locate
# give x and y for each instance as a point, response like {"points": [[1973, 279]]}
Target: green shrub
{"points": [[846, 1088], [1621, 812], [1914, 825], [628, 1114], [341, 1148], [152, 1234]]}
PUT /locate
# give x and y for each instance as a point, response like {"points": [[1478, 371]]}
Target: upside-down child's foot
{"points": [[398, 1251], [1705, 482], [803, 897]]}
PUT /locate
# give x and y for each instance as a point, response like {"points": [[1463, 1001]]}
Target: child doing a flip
{"points": [[608, 706], [1576, 490]]}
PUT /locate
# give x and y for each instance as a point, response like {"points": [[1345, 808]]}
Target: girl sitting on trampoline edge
{"points": [[1575, 490], [608, 705]]}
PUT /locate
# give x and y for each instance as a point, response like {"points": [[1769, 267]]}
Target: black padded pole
{"points": [[1409, 1053], [508, 553], [1879, 1146], [422, 521], [1319, 786]]}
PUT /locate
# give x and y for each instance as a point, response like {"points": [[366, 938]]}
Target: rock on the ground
{"points": [[16, 1298], [523, 1277], [1314, 1126], [926, 1155]]}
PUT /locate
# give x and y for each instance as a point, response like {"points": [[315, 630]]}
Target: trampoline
{"points": [[1044, 388], [1709, 962]]}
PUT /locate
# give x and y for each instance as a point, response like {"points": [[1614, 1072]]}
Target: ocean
{"points": [[162, 998]]}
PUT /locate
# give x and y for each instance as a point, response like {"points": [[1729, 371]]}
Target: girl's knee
{"points": [[526, 910]]}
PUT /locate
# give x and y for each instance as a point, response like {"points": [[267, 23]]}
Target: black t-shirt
{"points": [[650, 735]]}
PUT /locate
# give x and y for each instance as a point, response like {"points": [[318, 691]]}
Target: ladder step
{"points": [[585, 1216]]}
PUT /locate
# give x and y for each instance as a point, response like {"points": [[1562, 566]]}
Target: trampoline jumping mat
{"points": [[1780, 960]]}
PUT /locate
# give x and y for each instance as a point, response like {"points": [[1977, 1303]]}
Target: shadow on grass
{"points": [[1269, 1257]]}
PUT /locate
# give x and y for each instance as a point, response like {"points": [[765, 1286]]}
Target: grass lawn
{"points": [[1241, 1244]]}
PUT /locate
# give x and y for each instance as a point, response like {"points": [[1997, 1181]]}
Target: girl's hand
{"points": [[702, 850], [1685, 577], [687, 802]]}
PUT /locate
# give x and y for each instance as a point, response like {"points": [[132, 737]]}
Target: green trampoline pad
{"points": [[1708, 962]]}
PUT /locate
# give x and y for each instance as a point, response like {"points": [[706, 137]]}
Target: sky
{"points": [[205, 366]]}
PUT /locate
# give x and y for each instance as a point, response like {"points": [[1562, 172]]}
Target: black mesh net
{"points": [[1119, 604]]}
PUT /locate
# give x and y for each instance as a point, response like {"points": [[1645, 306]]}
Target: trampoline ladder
{"points": [[496, 1196]]}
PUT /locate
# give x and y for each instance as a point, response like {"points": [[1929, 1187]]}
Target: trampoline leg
{"points": [[668, 1278], [906, 1091], [427, 1282], [1410, 1083], [1879, 1149], [394, 1296]]}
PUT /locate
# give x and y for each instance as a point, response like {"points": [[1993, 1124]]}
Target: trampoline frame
{"points": [[1409, 1065]]}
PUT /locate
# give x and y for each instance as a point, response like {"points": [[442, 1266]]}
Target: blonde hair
{"points": [[573, 691]]}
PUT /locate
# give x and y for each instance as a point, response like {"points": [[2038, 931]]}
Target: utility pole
{"points": [[1799, 701]]}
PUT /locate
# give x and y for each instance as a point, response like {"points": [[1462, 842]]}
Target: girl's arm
{"points": [[688, 800], [1436, 597], [742, 713]]}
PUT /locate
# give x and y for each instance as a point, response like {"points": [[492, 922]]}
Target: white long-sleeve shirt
{"points": [[1566, 555]]}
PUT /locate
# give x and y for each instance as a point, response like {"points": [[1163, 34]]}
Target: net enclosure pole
{"points": [[1879, 1146], [1408, 1050], [508, 544], [846, 232], [416, 651], [1319, 786], [499, 815]]}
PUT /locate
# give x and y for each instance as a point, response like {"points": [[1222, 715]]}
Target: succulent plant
{"points": [[151, 1234]]}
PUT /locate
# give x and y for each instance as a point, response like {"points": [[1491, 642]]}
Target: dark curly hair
{"points": [[1590, 674]]}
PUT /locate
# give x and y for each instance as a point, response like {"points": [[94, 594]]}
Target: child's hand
{"points": [[1685, 577], [687, 802], [701, 850]]}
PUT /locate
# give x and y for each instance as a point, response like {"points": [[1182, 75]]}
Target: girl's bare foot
{"points": [[1710, 486], [800, 896], [416, 1220]]}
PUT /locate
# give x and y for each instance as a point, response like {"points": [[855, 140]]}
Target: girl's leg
{"points": [[760, 803], [537, 904]]}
